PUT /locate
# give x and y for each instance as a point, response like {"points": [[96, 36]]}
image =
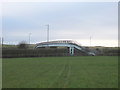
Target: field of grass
{"points": [[61, 72]]}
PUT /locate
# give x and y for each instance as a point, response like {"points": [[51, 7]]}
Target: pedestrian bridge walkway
{"points": [[65, 43]]}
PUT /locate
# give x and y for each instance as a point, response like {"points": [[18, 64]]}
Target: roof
{"points": [[60, 41]]}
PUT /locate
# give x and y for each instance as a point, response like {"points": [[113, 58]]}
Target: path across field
{"points": [[61, 72]]}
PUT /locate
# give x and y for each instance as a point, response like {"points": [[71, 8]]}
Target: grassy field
{"points": [[61, 72]]}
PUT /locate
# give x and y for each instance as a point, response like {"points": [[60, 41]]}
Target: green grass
{"points": [[61, 72]]}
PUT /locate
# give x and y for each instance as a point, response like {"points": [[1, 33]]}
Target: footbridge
{"points": [[65, 43]]}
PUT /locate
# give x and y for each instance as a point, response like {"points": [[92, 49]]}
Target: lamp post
{"points": [[29, 38], [90, 40], [47, 32], [2, 41]]}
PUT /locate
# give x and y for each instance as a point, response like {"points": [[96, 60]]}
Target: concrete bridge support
{"points": [[71, 50]]}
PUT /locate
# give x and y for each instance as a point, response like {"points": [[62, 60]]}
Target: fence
{"points": [[7, 53], [42, 52]]}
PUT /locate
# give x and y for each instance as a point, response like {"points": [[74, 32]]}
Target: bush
{"points": [[23, 45]]}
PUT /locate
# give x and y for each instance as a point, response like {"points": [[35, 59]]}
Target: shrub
{"points": [[22, 45]]}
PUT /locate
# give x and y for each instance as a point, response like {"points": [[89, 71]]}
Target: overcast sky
{"points": [[75, 21]]}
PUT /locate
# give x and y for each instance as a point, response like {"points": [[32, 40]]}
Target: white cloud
{"points": [[107, 43]]}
